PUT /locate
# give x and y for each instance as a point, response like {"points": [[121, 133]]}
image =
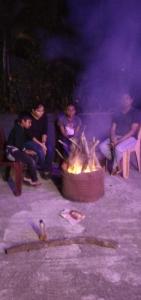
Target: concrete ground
{"points": [[78, 272]]}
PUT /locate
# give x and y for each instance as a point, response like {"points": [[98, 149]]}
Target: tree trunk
{"points": [[6, 67]]}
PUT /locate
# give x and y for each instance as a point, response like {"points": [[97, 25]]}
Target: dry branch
{"points": [[83, 154], [37, 245]]}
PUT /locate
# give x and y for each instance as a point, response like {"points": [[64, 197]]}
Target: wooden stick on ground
{"points": [[36, 245]]}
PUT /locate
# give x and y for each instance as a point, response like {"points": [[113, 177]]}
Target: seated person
{"points": [[16, 151], [123, 133], [69, 126], [37, 137]]}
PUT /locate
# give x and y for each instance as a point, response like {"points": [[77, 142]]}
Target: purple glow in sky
{"points": [[107, 42]]}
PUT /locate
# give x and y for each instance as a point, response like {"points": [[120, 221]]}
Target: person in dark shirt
{"points": [[37, 137], [125, 125], [16, 151]]}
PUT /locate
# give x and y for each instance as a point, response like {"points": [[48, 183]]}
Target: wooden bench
{"points": [[16, 168]]}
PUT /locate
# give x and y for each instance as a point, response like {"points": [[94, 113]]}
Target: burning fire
{"points": [[77, 166], [77, 169], [82, 158]]}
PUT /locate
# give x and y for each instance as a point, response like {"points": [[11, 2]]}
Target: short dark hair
{"points": [[23, 116], [37, 105], [71, 104]]}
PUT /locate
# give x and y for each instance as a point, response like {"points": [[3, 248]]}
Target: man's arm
{"points": [[132, 132], [44, 129], [40, 143], [44, 138], [60, 124], [62, 130], [77, 129]]}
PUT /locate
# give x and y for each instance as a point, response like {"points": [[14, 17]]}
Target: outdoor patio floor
{"points": [[78, 272]]}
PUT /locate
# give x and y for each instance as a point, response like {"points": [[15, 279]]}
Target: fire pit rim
{"points": [[80, 187]]}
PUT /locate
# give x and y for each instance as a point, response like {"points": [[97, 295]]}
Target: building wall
{"points": [[95, 124]]}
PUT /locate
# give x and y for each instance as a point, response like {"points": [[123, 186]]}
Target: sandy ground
{"points": [[78, 272]]}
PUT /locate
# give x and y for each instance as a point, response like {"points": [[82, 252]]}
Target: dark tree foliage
{"points": [[25, 75]]}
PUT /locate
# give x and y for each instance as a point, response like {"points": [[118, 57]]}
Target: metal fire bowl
{"points": [[84, 187]]}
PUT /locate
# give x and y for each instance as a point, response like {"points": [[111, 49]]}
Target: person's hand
{"points": [[114, 141], [64, 166], [44, 147], [30, 152], [119, 140]]}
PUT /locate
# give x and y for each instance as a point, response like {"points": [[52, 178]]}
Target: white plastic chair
{"points": [[127, 154]]}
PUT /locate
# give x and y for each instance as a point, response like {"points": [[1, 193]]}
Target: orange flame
{"points": [[76, 168]]}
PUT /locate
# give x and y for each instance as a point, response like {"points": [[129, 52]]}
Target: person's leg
{"points": [[29, 161], [40, 153], [120, 148], [49, 158], [105, 149]]}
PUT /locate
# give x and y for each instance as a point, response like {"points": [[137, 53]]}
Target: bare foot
{"points": [[27, 180], [35, 183], [116, 171], [30, 182]]}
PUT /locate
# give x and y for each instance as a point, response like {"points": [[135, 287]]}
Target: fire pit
{"points": [[85, 187], [83, 176]]}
